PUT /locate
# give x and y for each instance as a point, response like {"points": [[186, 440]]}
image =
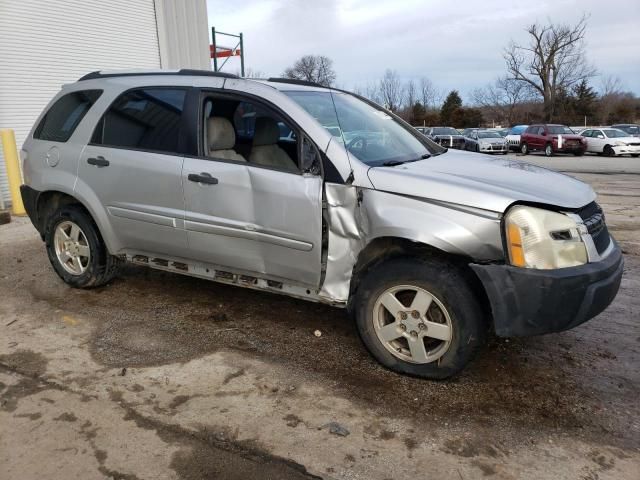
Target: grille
{"points": [[593, 218]]}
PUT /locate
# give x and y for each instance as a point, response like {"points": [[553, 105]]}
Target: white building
{"points": [[47, 43]]}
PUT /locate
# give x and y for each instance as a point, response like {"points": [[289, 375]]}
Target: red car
{"points": [[552, 139]]}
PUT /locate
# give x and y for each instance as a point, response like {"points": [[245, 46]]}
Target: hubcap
{"points": [[72, 248], [412, 324]]}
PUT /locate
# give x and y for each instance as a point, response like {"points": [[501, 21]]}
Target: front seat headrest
{"points": [[220, 134], [266, 132]]}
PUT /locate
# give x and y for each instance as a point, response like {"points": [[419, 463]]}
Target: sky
{"points": [[456, 44]]}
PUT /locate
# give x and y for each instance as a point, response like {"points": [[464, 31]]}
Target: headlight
{"points": [[543, 239], [620, 143]]}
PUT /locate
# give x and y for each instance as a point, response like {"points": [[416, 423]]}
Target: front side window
{"points": [[63, 117], [146, 119], [245, 131], [369, 133]]}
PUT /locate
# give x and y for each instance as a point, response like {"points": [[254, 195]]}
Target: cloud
{"points": [[456, 44]]}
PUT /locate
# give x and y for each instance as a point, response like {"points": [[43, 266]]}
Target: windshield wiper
{"points": [[394, 163]]}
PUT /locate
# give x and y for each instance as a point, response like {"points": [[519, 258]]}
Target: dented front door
{"points": [[254, 219]]}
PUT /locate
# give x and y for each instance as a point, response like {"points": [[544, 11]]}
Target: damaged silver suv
{"points": [[319, 194]]}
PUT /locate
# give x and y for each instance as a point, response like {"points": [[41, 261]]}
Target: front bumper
{"points": [[626, 149], [498, 148], [531, 302]]}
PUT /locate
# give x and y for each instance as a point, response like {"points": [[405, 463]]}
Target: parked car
{"points": [[428, 248], [611, 142], [503, 132], [552, 139], [447, 137], [631, 128], [422, 130], [468, 131], [486, 141], [513, 136]]}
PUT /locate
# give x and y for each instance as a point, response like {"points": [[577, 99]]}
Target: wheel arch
{"points": [[49, 201], [382, 249]]}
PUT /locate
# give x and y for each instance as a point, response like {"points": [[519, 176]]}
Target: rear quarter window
{"points": [[61, 120]]}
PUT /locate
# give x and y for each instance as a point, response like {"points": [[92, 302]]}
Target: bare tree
{"points": [[429, 96], [553, 61], [610, 84], [502, 98], [391, 90], [313, 68], [410, 94]]}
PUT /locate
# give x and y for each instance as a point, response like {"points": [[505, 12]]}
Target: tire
{"points": [[524, 149], [608, 151], [453, 306], [96, 266], [477, 148], [635, 155], [548, 150], [579, 154]]}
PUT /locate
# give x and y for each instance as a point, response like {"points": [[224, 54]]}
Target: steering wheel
{"points": [[352, 145]]}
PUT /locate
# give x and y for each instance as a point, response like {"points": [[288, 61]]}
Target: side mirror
{"points": [[601, 136]]}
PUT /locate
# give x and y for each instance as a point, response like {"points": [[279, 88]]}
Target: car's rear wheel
{"points": [[524, 149], [76, 249], [608, 151], [548, 150], [420, 317]]}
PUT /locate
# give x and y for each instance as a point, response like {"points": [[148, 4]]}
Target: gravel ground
{"points": [[162, 376]]}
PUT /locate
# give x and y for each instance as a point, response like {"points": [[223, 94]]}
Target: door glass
{"points": [[147, 119], [247, 131]]}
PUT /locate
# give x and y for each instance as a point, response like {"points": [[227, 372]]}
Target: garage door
{"points": [[45, 44]]}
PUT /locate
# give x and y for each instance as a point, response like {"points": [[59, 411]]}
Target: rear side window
{"points": [[59, 123], [145, 119]]}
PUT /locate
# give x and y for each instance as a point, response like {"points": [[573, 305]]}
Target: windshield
{"points": [[373, 136], [615, 133], [444, 131], [517, 130], [557, 129], [489, 135], [632, 129]]}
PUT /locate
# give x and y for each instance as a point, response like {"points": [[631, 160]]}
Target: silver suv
{"points": [[319, 194]]}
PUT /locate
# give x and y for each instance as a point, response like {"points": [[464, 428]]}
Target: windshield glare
{"points": [[615, 133], [488, 135], [373, 136], [557, 129]]}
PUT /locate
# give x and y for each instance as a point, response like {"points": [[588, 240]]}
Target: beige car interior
{"points": [[221, 138], [265, 150]]}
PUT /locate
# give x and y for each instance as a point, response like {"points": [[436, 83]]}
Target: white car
{"points": [[611, 142]]}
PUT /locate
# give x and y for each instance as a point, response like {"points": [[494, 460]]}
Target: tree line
{"points": [[547, 78]]}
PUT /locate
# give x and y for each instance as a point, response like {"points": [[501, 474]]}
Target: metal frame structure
{"points": [[226, 52]]}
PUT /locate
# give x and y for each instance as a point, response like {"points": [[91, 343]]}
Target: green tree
{"points": [[450, 105], [584, 101]]}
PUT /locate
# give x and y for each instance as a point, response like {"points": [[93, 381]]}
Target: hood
{"points": [[491, 140], [481, 181]]}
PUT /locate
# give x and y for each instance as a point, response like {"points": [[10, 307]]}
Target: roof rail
{"points": [[183, 72], [295, 81]]}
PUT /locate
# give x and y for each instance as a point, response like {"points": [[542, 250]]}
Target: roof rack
{"points": [[183, 72], [294, 81]]}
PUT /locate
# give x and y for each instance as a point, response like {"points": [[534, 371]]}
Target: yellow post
{"points": [[12, 162]]}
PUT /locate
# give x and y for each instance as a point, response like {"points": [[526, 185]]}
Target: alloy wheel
{"points": [[72, 247], [412, 324]]}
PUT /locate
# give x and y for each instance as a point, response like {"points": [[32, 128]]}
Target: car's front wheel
{"points": [[524, 149], [76, 249], [548, 150], [420, 317]]}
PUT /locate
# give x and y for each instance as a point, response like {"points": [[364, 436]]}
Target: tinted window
{"points": [[63, 117], [148, 119]]}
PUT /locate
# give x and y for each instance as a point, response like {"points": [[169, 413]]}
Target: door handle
{"points": [[98, 161], [204, 177]]}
